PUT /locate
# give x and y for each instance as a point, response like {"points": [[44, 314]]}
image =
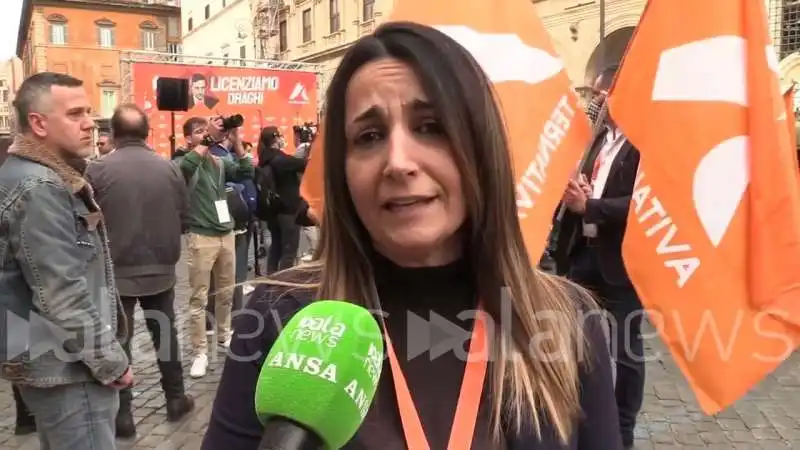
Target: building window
{"points": [[335, 17], [242, 55], [189, 24], [5, 124], [149, 32], [174, 28], [105, 36], [224, 49], [58, 33], [784, 18], [208, 11], [283, 41], [108, 102], [58, 29], [105, 33], [307, 25], [148, 40], [369, 10]]}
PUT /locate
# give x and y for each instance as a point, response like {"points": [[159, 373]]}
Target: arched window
{"points": [[106, 33], [149, 32], [58, 29]]}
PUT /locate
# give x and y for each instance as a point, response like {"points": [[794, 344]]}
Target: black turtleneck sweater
{"points": [[434, 380]]}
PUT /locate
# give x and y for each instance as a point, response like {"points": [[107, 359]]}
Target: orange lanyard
{"points": [[468, 400]]}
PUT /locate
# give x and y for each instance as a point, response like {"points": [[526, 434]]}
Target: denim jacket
{"points": [[62, 314]]}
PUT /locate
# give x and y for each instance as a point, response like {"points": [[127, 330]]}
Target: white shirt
{"points": [[614, 140]]}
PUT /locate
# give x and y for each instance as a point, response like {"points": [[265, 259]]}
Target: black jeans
{"points": [[627, 349], [285, 239], [159, 313], [242, 243]]}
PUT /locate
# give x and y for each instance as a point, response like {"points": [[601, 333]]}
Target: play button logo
{"points": [[436, 336], [34, 336]]}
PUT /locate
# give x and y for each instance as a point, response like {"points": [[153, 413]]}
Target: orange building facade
{"points": [[91, 39]]}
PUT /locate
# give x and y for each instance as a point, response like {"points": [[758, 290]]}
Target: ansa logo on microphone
{"points": [[373, 363], [320, 330]]}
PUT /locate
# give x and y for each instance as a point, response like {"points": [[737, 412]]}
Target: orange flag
{"points": [[547, 130], [312, 187], [713, 238]]}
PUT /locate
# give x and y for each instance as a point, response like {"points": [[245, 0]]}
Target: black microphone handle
{"points": [[283, 434]]}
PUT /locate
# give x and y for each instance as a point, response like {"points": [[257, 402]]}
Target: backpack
{"points": [[237, 205], [250, 195], [269, 203]]}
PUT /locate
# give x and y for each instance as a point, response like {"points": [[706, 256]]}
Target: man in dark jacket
{"points": [[589, 252], [143, 198], [283, 227]]}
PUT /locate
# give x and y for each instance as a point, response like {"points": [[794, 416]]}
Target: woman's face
{"points": [[403, 181]]}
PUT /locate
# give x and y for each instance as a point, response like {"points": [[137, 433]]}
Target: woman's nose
{"points": [[400, 159]]}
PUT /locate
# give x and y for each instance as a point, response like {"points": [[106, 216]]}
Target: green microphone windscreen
{"points": [[323, 370]]}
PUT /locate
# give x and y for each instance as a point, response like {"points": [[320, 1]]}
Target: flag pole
{"points": [[604, 110], [603, 27], [556, 230]]}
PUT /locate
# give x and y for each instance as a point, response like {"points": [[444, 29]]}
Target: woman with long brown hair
{"points": [[420, 219]]}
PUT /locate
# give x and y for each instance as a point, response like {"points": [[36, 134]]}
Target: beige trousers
{"points": [[210, 256]]}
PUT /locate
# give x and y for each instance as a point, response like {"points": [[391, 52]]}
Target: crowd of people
{"points": [[419, 217], [104, 231]]}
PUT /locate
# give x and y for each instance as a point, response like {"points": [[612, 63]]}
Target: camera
{"points": [[231, 122], [305, 133], [228, 123]]}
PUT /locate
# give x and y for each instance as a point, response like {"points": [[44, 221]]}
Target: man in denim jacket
{"points": [[60, 345]]}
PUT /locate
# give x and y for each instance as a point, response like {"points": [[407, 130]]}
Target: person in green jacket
{"points": [[210, 237]]}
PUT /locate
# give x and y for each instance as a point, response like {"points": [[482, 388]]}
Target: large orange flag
{"points": [[312, 187], [713, 238], [547, 130]]}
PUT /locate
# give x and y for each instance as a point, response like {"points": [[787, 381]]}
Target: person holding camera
{"points": [[304, 134], [280, 173], [241, 197], [210, 239]]}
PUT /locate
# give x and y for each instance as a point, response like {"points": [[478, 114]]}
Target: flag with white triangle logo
{"points": [[712, 244], [548, 131]]}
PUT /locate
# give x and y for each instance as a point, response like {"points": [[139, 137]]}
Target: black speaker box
{"points": [[172, 94]]}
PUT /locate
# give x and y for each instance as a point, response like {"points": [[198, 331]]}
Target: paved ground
{"points": [[767, 419]]}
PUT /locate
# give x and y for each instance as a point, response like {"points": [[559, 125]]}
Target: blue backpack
{"points": [[245, 189], [250, 194], [237, 206]]}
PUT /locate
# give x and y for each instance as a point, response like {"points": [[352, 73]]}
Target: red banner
{"points": [[263, 97]]}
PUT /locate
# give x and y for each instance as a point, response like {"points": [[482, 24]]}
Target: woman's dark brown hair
{"points": [[266, 143]]}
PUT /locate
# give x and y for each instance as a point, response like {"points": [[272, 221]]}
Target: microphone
{"points": [[320, 377]]}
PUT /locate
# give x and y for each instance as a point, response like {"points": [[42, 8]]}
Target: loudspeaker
{"points": [[172, 94]]}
